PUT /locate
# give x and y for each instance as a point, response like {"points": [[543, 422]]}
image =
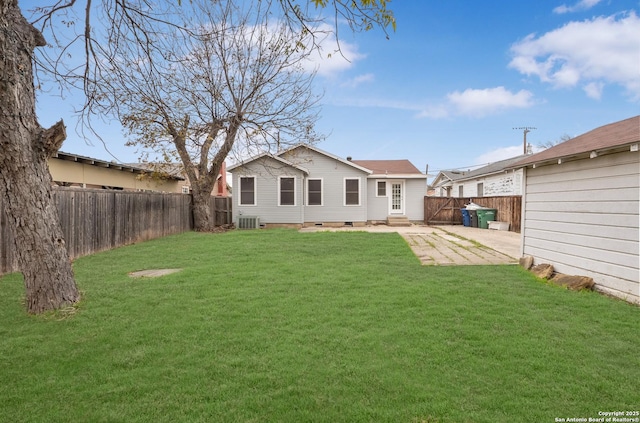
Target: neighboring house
{"points": [[72, 170], [494, 180], [442, 185], [220, 188], [305, 186], [581, 207]]}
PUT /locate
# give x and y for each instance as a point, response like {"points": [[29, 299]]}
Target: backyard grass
{"points": [[281, 326]]}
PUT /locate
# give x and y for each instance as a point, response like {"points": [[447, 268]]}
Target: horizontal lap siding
{"points": [[377, 207], [332, 172], [582, 217], [267, 172], [414, 190]]}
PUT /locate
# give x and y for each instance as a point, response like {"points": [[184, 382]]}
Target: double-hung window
{"points": [[381, 189], [352, 191], [314, 192], [247, 190], [287, 191]]}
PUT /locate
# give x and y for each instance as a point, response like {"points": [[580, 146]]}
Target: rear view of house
{"points": [[581, 207], [305, 186]]}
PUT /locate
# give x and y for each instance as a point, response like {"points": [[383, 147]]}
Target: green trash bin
{"points": [[486, 215]]}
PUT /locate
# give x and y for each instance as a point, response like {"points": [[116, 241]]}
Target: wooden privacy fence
{"points": [[98, 220], [446, 210]]}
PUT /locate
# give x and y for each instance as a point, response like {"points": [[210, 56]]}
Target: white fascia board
{"points": [[397, 176], [271, 156], [332, 156]]}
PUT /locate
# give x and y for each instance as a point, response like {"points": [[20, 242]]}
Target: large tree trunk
{"points": [[202, 220], [25, 182]]}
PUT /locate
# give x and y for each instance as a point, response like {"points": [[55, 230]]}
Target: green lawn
{"points": [[280, 326]]}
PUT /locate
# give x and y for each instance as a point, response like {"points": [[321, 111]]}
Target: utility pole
{"points": [[525, 129]]}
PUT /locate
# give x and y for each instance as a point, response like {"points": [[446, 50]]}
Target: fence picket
{"points": [[98, 220], [446, 210]]}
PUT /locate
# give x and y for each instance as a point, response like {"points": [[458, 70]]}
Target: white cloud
{"points": [[438, 111], [594, 90], [590, 53], [358, 80], [473, 102], [579, 6]]}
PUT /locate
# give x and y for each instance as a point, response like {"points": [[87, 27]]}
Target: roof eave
{"points": [[325, 153], [482, 175], [397, 176], [631, 147], [60, 155], [231, 168]]}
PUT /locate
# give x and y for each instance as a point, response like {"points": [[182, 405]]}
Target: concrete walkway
{"points": [[452, 245]]}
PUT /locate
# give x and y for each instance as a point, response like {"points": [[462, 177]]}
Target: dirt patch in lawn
{"points": [[153, 273]]}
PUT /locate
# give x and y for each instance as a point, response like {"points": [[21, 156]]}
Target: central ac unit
{"points": [[248, 222]]}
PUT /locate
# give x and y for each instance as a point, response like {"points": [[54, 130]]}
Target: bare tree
{"points": [[549, 144], [233, 77], [25, 183], [25, 146]]}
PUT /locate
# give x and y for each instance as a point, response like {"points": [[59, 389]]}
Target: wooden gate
{"points": [[443, 210]]}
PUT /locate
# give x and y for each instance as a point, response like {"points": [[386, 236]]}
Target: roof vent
{"points": [[349, 158]]}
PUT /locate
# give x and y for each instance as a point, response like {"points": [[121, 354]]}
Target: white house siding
{"points": [[582, 217], [377, 207], [414, 190], [266, 208], [508, 183], [333, 173], [502, 184]]}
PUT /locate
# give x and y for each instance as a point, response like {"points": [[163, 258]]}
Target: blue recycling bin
{"points": [[466, 218]]}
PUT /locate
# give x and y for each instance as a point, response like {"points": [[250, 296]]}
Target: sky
{"points": [[449, 88]]}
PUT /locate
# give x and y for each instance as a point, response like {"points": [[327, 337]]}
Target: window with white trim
{"points": [[314, 192], [381, 189], [247, 190], [287, 193], [352, 191]]}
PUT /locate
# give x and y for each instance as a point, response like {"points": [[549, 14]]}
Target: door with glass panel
{"points": [[396, 200]]}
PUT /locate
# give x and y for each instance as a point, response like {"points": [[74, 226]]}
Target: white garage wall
{"points": [[583, 218]]}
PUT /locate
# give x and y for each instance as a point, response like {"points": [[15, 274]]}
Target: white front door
{"points": [[396, 200]]}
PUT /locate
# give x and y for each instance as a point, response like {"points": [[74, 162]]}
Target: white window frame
{"points": [[295, 190], [321, 192], [403, 196], [344, 191], [255, 190], [385, 188], [186, 189]]}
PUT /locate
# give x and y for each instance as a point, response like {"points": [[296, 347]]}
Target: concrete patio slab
{"points": [[451, 245]]}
